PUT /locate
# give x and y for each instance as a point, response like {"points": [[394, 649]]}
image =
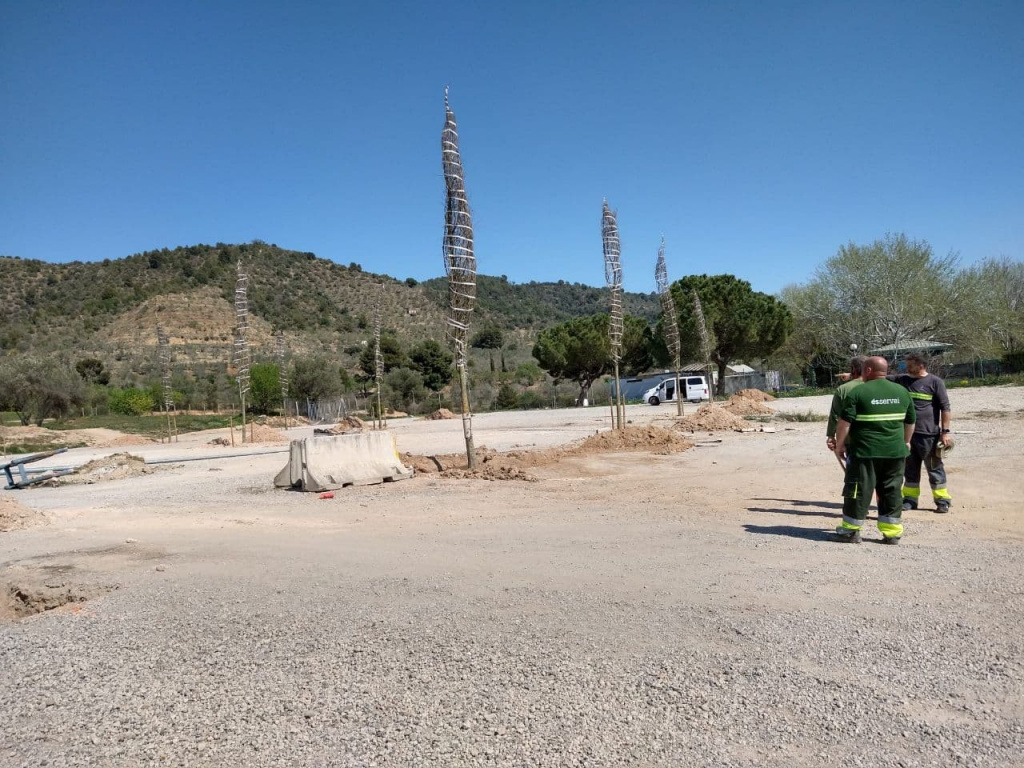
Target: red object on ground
{"points": [[326, 495]]}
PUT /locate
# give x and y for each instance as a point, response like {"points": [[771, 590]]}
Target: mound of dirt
{"points": [[115, 467], [126, 441], [441, 413], [281, 421], [649, 438], [754, 394], [711, 418], [344, 426], [742, 407], [14, 515], [492, 465], [264, 434]]}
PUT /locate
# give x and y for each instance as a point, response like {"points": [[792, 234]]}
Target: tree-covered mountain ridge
{"points": [[110, 308]]}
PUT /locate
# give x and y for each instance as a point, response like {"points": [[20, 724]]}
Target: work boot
{"points": [[941, 507], [908, 505], [846, 536], [891, 540]]}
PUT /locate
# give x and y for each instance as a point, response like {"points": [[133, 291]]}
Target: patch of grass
{"points": [[1010, 379], [37, 446], [805, 392], [801, 416], [150, 425]]}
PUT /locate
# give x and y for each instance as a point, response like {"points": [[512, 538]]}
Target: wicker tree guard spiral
{"points": [[241, 338], [282, 376], [378, 358], [613, 278], [705, 340], [165, 380], [669, 321], [459, 263]]}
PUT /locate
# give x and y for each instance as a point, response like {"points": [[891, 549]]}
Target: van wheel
{"points": [[654, 400], [695, 401]]}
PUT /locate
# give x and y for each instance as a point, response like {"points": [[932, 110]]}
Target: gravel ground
{"points": [[628, 609]]}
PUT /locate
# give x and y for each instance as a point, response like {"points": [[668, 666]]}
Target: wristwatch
{"points": [[943, 431]]}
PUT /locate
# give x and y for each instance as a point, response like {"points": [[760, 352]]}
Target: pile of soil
{"points": [[344, 426], [441, 413], [14, 515], [741, 406], [754, 394], [263, 434], [712, 418], [281, 421], [128, 440], [115, 467], [650, 438], [492, 465]]}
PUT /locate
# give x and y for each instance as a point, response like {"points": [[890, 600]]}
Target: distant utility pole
{"points": [[165, 380], [669, 320], [613, 278], [459, 263], [242, 358]]}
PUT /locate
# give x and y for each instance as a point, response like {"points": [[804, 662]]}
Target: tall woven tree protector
{"points": [[669, 320], [613, 279], [378, 358], [705, 341], [242, 356], [459, 264], [282, 376], [165, 381]]}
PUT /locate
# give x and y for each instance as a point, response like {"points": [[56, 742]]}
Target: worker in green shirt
{"points": [[853, 380], [875, 425]]}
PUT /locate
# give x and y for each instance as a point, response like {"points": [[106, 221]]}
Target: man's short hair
{"points": [[915, 357], [857, 364]]}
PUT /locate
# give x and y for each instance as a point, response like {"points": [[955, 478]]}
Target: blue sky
{"points": [[757, 137]]}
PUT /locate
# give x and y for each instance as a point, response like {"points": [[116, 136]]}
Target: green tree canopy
{"points": [[390, 349], [91, 370], [488, 337], [433, 362], [315, 378], [891, 291], [404, 388], [40, 388], [264, 387], [743, 324], [578, 350]]}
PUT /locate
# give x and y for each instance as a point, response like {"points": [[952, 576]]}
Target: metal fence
{"points": [[326, 410]]}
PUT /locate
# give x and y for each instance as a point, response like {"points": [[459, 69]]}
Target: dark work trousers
{"points": [[882, 476], [921, 448]]}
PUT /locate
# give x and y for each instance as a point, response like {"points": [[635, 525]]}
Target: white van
{"points": [[695, 389]]}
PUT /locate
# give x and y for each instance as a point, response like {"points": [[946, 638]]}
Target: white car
{"points": [[695, 389]]}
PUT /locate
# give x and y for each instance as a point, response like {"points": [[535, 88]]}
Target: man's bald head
{"points": [[875, 367]]}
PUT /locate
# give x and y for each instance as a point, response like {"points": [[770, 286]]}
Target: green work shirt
{"points": [[837, 404], [877, 411]]}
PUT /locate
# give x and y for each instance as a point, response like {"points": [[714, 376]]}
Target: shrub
{"points": [[130, 401]]}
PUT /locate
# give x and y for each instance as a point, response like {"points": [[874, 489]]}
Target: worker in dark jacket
{"points": [[933, 418], [878, 418]]}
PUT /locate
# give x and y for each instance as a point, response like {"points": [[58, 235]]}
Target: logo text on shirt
{"points": [[886, 401]]}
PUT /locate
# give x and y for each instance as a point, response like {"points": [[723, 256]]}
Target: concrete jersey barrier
{"points": [[328, 463]]}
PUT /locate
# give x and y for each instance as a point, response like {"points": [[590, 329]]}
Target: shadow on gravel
{"points": [[804, 503], [793, 531], [800, 512]]}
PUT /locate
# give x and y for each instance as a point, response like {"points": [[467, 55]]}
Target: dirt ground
{"points": [[685, 577]]}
